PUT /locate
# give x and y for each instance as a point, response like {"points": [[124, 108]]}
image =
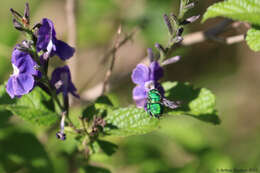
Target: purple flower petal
{"points": [[139, 92], [24, 62], [48, 42], [23, 84], [73, 90], [45, 34], [61, 80], [63, 50], [156, 71], [140, 74], [140, 96], [141, 103], [19, 85], [22, 80], [9, 87], [56, 74], [146, 78]]}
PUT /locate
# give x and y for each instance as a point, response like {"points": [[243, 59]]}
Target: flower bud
{"points": [[17, 25], [168, 23], [171, 60], [150, 54], [178, 39], [159, 47], [61, 136], [180, 31], [16, 14], [190, 20], [27, 13], [191, 5]]}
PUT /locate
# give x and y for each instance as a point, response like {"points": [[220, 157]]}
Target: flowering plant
{"points": [[42, 97]]}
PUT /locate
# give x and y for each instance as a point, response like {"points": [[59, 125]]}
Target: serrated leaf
{"points": [[129, 121], [242, 10], [36, 107], [196, 102], [253, 39], [38, 116]]}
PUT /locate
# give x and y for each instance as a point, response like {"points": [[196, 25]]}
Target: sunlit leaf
{"points": [[36, 107], [196, 102], [129, 121], [242, 10], [253, 39]]}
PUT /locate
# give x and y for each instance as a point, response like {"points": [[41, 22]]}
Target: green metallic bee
{"points": [[155, 103]]}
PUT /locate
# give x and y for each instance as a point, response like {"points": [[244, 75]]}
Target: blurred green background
{"points": [[182, 144]]}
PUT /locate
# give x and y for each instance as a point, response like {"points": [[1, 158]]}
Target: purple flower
{"points": [[48, 42], [61, 80], [22, 81], [146, 78]]}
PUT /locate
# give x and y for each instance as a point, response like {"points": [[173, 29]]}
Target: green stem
{"points": [[53, 94], [45, 79]]}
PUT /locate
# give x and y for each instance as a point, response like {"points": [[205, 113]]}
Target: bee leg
{"points": [[150, 113], [158, 116]]}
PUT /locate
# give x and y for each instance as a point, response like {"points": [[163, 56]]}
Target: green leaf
{"points": [[4, 118], [113, 99], [4, 99], [98, 108], [129, 121], [198, 103], [253, 39], [32, 114], [36, 107], [105, 100], [242, 10], [107, 147], [94, 147]]}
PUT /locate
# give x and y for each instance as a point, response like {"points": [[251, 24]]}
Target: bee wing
{"points": [[171, 104]]}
